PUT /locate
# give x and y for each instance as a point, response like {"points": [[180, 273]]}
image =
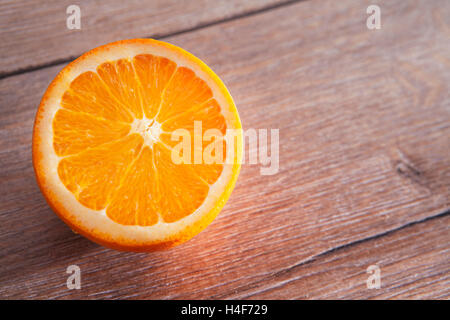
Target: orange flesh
{"points": [[111, 158]]}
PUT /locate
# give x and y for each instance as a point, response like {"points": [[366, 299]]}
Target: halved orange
{"points": [[102, 145]]}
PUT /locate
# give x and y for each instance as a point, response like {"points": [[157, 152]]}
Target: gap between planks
{"points": [[157, 36], [247, 294]]}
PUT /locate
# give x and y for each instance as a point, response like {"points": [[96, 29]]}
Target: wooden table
{"points": [[364, 177]]}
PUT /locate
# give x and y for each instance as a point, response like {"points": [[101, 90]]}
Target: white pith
{"points": [[149, 129]]}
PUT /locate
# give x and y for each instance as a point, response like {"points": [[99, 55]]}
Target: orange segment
{"points": [[210, 117], [131, 206], [95, 173], [208, 113], [120, 79], [154, 74], [88, 94], [184, 91], [75, 132], [181, 190], [103, 146]]}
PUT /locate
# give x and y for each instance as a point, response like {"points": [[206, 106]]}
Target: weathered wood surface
{"points": [[364, 119], [34, 33], [413, 263]]}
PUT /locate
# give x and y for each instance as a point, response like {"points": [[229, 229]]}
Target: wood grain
{"points": [[34, 33], [364, 119], [414, 263]]}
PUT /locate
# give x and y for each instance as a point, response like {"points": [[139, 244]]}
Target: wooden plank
{"points": [[35, 33], [364, 118], [414, 263]]}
